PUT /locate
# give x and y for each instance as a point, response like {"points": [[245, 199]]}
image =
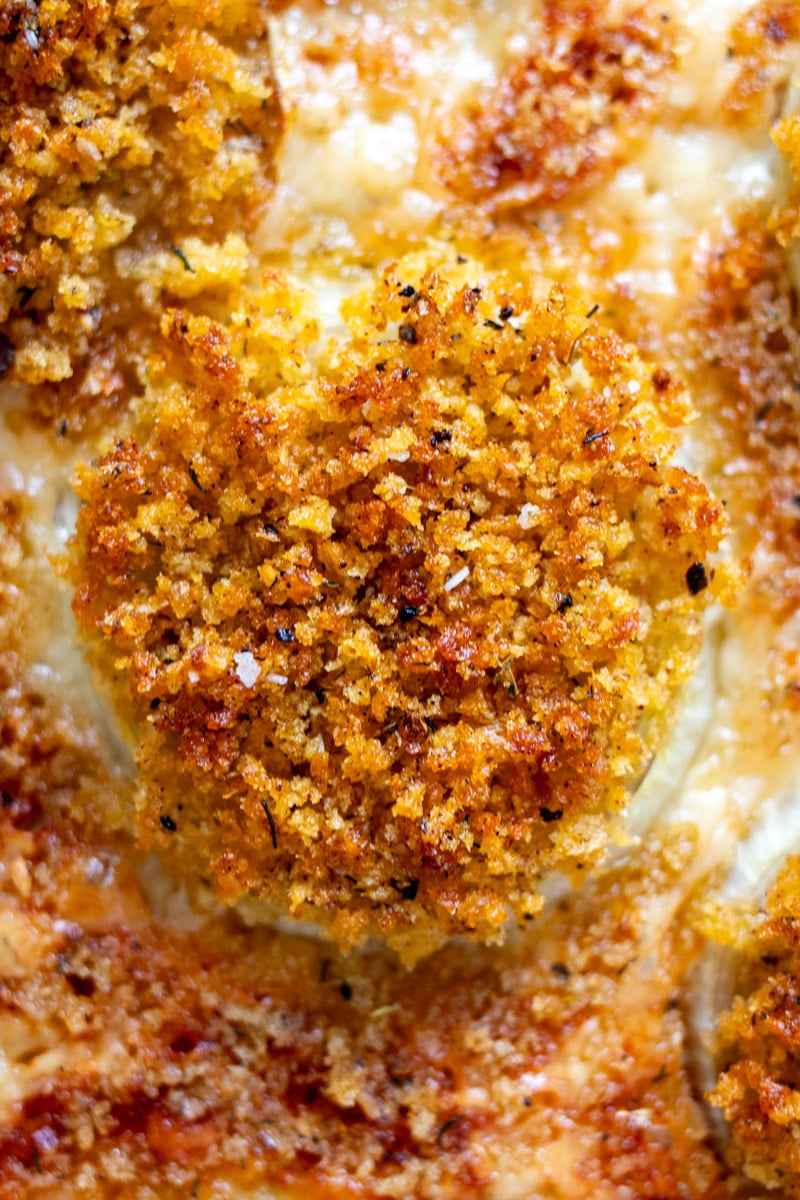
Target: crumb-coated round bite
{"points": [[398, 631]]}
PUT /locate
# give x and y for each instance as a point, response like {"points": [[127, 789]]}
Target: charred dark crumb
{"points": [[506, 311], [408, 291], [696, 578], [560, 969], [272, 827], [440, 436], [408, 334], [346, 990], [25, 294], [592, 437], [407, 890], [550, 814], [564, 603], [285, 635], [408, 613], [6, 355], [445, 1128], [168, 823]]}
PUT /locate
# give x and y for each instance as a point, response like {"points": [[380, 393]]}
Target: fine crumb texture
{"points": [[759, 1046], [787, 138], [398, 636], [145, 1062], [136, 144], [563, 114], [760, 44]]}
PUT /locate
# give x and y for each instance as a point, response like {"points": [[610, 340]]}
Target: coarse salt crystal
{"points": [[84, 146], [634, 387], [455, 580], [279, 680], [247, 669], [528, 515]]}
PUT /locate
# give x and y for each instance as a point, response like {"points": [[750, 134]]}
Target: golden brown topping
{"points": [[144, 1059], [759, 1042], [135, 145], [566, 112], [787, 138], [743, 331], [761, 45], [398, 638]]}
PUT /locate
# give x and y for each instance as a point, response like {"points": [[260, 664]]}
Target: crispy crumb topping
{"points": [[761, 46], [136, 140], [759, 1044], [139, 1059], [563, 114], [786, 134], [400, 636]]}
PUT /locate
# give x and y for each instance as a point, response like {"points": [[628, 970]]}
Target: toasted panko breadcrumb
{"points": [[399, 638], [141, 1060], [786, 220], [759, 1045], [150, 1062], [136, 142], [760, 45], [564, 114]]}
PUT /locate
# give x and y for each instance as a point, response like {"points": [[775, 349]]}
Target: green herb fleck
{"points": [[176, 250]]}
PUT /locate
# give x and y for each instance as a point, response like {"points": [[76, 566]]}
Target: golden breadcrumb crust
{"points": [[400, 636], [147, 1061], [787, 138], [759, 1045], [564, 114], [136, 143], [745, 338], [761, 45], [744, 331], [155, 1059]]}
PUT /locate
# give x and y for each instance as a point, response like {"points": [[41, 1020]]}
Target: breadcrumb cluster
{"points": [[759, 1044], [136, 142], [399, 636]]}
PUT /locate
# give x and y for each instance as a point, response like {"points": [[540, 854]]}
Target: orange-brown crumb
{"points": [[565, 113], [150, 1061], [762, 45], [136, 141], [786, 221], [399, 637], [140, 1060], [759, 1045], [744, 334]]}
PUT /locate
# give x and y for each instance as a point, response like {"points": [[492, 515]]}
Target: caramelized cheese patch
{"points": [[563, 115]]}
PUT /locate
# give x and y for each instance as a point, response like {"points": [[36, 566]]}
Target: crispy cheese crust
{"points": [[563, 116], [397, 638], [136, 141], [759, 1046]]}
